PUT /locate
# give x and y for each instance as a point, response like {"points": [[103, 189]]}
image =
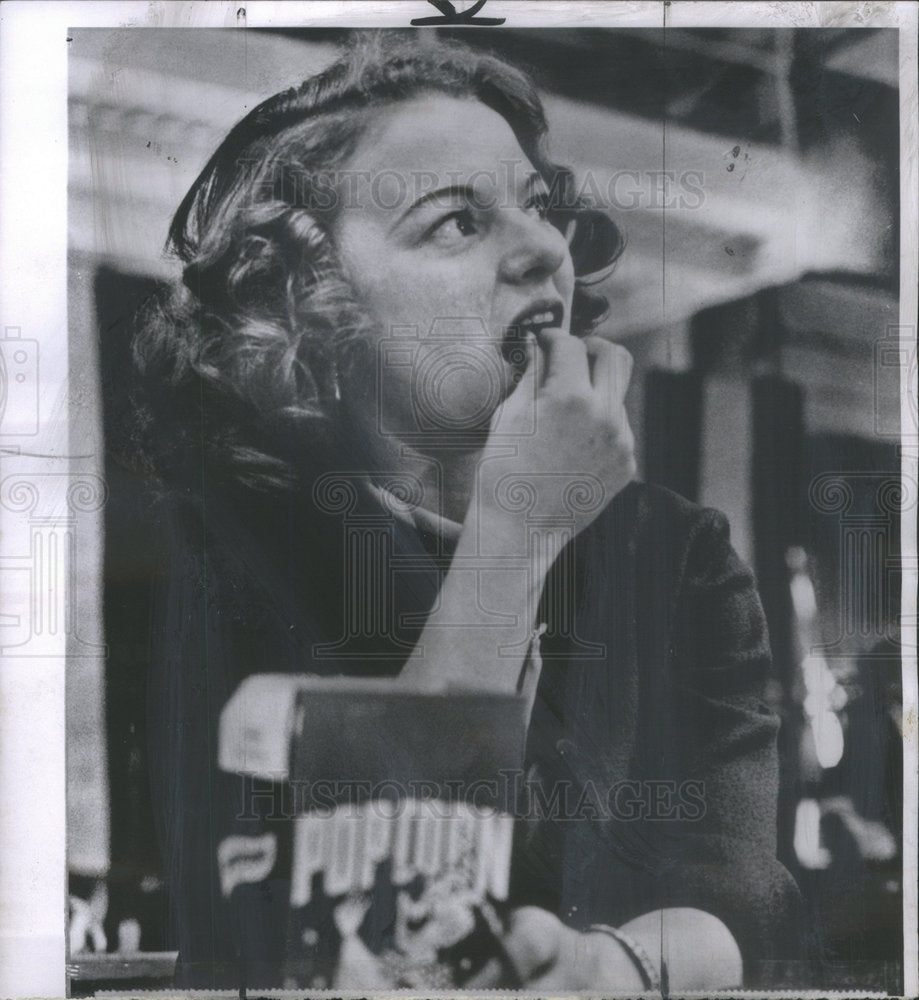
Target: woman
{"points": [[385, 280]]}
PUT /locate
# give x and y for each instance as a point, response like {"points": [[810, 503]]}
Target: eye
{"points": [[539, 205], [453, 228]]}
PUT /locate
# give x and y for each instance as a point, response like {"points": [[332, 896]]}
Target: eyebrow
{"points": [[460, 189]]}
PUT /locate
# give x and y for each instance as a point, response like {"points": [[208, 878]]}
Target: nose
{"points": [[534, 249]]}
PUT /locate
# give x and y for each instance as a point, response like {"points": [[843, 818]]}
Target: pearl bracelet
{"points": [[650, 977]]}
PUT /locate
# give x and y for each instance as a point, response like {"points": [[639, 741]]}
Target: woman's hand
{"points": [[566, 425], [546, 955], [560, 448]]}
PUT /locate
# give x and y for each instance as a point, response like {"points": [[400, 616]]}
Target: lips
{"points": [[541, 315]]}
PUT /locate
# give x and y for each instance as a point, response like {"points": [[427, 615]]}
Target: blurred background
{"points": [[755, 173]]}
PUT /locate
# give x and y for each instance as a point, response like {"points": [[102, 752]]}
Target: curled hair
{"points": [[242, 358]]}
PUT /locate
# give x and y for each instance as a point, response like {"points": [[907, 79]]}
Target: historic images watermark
{"points": [[18, 386], [371, 628], [49, 506], [459, 373], [331, 191], [894, 354], [870, 565], [658, 800]]}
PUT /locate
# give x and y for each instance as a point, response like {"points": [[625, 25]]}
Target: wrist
{"points": [[625, 962], [497, 529], [500, 538]]}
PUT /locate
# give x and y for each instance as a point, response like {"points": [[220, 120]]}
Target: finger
{"points": [[623, 369], [532, 941], [610, 368], [565, 361], [489, 977]]}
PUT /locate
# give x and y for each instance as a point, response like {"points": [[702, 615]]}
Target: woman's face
{"points": [[443, 234]]}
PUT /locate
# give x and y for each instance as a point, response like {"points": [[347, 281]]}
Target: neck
{"points": [[447, 476], [447, 473]]}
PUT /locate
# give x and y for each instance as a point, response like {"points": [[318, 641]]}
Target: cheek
{"points": [[458, 385], [422, 296], [398, 295], [399, 287]]}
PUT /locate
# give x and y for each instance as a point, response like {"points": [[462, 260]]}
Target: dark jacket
{"points": [[651, 757]]}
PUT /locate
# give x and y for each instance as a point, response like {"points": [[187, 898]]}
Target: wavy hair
{"points": [[241, 360]]}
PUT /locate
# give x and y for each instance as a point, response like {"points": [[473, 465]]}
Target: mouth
{"points": [[542, 315]]}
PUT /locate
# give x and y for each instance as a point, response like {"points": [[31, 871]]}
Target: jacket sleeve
{"points": [[723, 860], [665, 738]]}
